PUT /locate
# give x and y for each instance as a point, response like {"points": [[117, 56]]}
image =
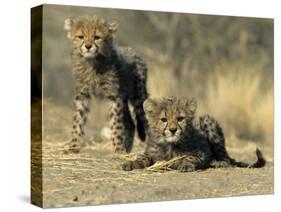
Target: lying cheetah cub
{"points": [[175, 131], [102, 69]]}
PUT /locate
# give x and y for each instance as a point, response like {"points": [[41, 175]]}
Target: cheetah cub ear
{"points": [[149, 106], [112, 26], [68, 23], [191, 105]]}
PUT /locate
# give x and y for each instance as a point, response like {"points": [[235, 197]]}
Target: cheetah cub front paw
{"points": [[186, 167], [128, 166], [74, 146]]}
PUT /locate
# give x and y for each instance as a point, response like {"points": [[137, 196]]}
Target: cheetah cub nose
{"points": [[173, 130], [88, 46]]}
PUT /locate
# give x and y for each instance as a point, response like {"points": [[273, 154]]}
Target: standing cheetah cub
{"points": [[174, 131], [114, 73]]}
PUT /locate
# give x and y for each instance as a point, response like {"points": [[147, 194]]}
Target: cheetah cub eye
{"points": [[97, 37], [180, 118], [164, 120]]}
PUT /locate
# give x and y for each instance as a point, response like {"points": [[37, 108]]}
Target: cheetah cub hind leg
{"points": [[214, 133], [122, 127]]}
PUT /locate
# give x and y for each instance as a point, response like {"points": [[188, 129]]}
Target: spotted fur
{"points": [[105, 70], [174, 130]]}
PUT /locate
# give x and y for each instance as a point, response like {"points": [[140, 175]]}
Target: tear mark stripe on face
{"points": [[166, 123], [179, 126], [82, 44]]}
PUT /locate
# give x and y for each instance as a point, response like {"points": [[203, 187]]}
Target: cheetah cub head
{"points": [[90, 36], [169, 117]]}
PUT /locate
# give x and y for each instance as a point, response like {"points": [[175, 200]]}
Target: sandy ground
{"points": [[94, 176]]}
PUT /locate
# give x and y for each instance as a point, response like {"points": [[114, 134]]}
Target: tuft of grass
{"points": [[239, 100], [162, 166], [161, 81]]}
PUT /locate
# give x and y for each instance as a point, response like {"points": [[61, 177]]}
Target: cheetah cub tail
{"points": [[260, 162]]}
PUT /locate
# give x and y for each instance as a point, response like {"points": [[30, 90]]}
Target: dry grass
{"points": [[162, 166], [161, 81], [239, 101]]}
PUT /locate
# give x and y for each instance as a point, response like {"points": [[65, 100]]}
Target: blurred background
{"points": [[226, 63]]}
